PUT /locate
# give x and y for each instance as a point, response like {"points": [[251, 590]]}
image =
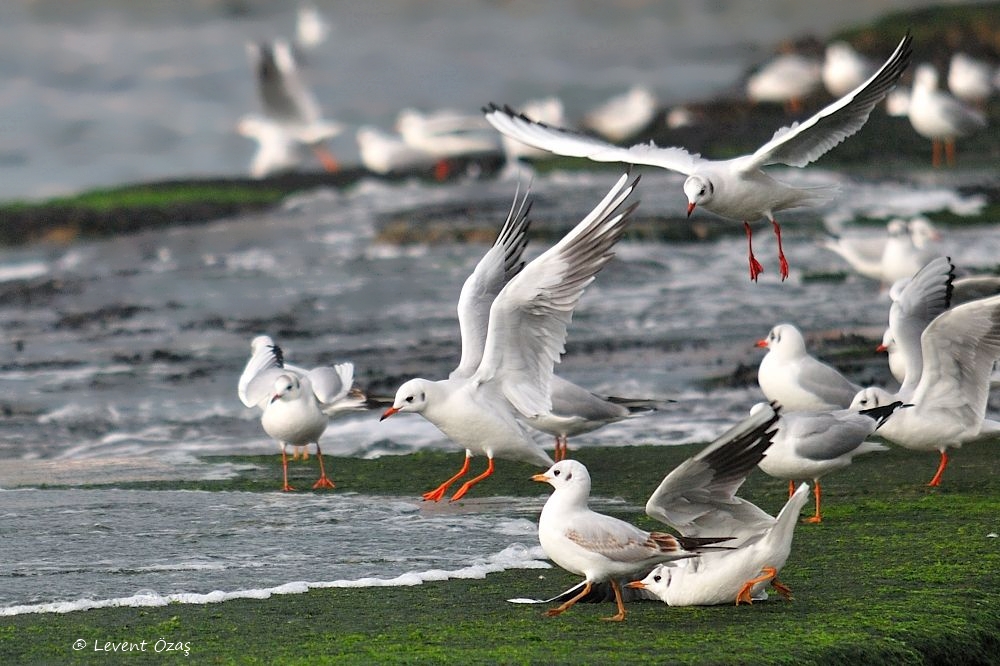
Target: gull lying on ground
{"points": [[506, 370], [597, 546], [736, 188], [698, 498]]}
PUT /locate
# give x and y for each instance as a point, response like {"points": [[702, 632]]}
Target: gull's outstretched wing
{"points": [[698, 498], [575, 144], [497, 267], [804, 142], [528, 320]]}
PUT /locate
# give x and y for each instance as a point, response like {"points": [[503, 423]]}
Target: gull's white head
{"points": [[897, 228], [286, 387], [871, 397], [566, 474], [897, 364], [925, 78], [410, 397], [923, 232], [699, 191], [657, 582], [784, 339]]}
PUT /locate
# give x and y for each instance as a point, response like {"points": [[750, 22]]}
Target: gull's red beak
{"points": [[275, 397], [881, 348], [636, 585], [387, 413], [541, 478], [762, 343], [691, 206]]}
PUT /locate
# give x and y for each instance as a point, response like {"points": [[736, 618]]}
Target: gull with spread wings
{"points": [[737, 188]]}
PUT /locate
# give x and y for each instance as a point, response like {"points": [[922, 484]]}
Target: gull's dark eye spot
{"points": [[657, 578], [556, 473], [409, 398]]}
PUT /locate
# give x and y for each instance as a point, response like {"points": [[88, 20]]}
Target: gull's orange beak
{"points": [[691, 206], [387, 413], [761, 343], [541, 478], [275, 397], [881, 348], [636, 585]]}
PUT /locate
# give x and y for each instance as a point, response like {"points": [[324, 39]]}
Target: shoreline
{"points": [[896, 573]]}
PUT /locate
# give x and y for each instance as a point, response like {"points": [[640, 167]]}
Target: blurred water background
{"points": [[120, 356]]}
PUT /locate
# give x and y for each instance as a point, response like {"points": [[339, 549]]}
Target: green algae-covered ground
{"points": [[896, 573]]}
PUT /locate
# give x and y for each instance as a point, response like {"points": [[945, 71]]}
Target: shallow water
{"points": [[100, 92]]}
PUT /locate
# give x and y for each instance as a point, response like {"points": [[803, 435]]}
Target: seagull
{"points": [[277, 150], [288, 102], [445, 134], [506, 370], [812, 444], [576, 411], [970, 80], [905, 248], [736, 188], [383, 153], [698, 498], [597, 546], [620, 117], [741, 574], [296, 403], [844, 69], [787, 79], [916, 302], [797, 381], [939, 116], [958, 350]]}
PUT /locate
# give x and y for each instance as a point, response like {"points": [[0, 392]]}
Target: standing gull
{"points": [[787, 79], [790, 376], [507, 377], [814, 443], [844, 69], [939, 116], [736, 188], [958, 350], [576, 411], [297, 403]]}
